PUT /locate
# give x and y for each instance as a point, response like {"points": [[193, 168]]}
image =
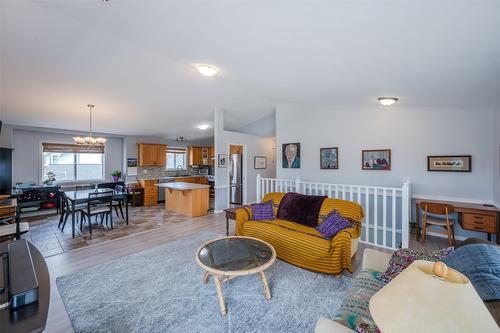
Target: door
{"points": [[211, 156], [196, 156], [235, 171]]}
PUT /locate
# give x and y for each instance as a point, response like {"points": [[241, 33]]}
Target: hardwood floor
{"points": [[75, 260]]}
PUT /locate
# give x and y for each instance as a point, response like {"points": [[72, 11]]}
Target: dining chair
{"points": [[440, 217], [99, 205], [117, 203], [8, 228], [67, 210]]}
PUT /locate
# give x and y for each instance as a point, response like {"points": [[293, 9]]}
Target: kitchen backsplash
{"points": [[159, 172]]}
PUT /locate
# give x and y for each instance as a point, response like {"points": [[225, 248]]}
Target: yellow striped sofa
{"points": [[304, 246]]}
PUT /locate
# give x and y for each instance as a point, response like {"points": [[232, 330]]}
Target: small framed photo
{"points": [[260, 162], [450, 163], [329, 158], [376, 159], [222, 161]]}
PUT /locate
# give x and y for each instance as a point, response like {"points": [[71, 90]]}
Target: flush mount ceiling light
{"points": [[206, 70], [89, 140], [386, 101], [203, 126]]}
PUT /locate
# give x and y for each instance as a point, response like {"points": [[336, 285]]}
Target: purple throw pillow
{"points": [[263, 211], [333, 223]]}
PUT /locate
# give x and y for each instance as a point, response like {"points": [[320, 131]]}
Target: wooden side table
{"points": [[231, 215]]}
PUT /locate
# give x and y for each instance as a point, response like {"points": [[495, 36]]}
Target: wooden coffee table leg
{"points": [[205, 277], [267, 291], [218, 287]]}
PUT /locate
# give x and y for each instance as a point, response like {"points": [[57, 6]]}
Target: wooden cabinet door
{"points": [[146, 154], [195, 156], [211, 156], [160, 155]]}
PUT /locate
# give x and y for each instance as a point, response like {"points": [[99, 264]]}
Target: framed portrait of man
{"points": [[291, 155]]}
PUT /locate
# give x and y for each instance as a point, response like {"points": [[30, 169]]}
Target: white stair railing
{"points": [[387, 209]]}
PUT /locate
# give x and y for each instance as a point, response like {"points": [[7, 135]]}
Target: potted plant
{"points": [[116, 175], [51, 178]]}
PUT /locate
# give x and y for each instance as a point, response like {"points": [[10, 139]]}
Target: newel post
{"points": [[297, 185], [259, 188], [406, 209]]}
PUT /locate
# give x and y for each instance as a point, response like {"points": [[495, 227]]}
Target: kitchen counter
{"points": [[189, 199], [182, 186]]}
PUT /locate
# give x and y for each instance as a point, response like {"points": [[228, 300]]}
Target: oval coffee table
{"points": [[228, 257]]}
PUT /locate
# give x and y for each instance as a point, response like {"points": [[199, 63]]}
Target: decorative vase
{"points": [[115, 178]]}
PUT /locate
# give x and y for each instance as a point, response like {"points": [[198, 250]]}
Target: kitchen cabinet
{"points": [[195, 156], [150, 191], [211, 156], [201, 156], [195, 179], [152, 154]]}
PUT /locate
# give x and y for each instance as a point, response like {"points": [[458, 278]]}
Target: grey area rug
{"points": [[161, 290]]}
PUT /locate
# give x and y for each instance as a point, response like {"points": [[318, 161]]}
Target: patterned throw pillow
{"points": [[263, 211], [403, 258], [333, 223], [354, 311]]}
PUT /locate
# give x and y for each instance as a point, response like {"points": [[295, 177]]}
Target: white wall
{"points": [[253, 145], [26, 157], [411, 133], [496, 157]]}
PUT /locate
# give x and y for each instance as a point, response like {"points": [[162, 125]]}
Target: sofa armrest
{"points": [[376, 260], [329, 326], [243, 214]]}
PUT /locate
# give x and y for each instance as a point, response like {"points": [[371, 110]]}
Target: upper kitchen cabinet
{"points": [[152, 154], [211, 156], [195, 156]]}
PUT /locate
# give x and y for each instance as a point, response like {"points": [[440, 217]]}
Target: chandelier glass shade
{"points": [[90, 140]]}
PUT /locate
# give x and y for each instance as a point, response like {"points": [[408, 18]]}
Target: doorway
{"points": [[236, 175]]}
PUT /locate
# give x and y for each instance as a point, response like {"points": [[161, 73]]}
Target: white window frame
{"points": [[69, 182], [185, 158]]}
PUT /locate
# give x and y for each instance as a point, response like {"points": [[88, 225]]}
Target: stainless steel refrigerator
{"points": [[236, 179]]}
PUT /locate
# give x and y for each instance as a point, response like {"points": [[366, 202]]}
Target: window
{"points": [[73, 162], [176, 158]]}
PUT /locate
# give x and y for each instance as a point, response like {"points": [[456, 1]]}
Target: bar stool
{"points": [[442, 221]]}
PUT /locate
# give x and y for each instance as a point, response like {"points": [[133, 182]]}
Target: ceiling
{"points": [[133, 59]]}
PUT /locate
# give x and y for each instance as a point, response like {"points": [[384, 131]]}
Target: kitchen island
{"points": [[188, 199]]}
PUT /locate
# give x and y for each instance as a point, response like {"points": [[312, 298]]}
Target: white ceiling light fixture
{"points": [[203, 127], [206, 70], [386, 101], [89, 140]]}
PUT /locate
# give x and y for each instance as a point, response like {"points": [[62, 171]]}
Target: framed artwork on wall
{"points": [[450, 163], [329, 158], [259, 162], [376, 159], [222, 161], [290, 154]]}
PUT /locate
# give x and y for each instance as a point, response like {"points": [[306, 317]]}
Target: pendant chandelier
{"points": [[89, 140]]}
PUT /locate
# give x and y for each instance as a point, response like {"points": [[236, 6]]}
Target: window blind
{"points": [[70, 148], [176, 150]]}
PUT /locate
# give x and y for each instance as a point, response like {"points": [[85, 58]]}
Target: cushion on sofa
{"points": [[354, 311], [481, 264], [263, 211], [403, 258], [333, 223], [300, 208]]}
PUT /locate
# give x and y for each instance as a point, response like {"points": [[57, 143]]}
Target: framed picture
{"points": [[376, 159], [222, 160], [329, 158], [290, 155], [450, 163], [259, 162]]}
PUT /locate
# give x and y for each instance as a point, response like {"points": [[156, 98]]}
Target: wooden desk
{"points": [[471, 216]]}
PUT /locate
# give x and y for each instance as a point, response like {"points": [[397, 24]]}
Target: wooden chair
{"points": [[442, 221], [8, 228], [98, 204]]}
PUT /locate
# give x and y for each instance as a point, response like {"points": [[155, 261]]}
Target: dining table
{"points": [[77, 197]]}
